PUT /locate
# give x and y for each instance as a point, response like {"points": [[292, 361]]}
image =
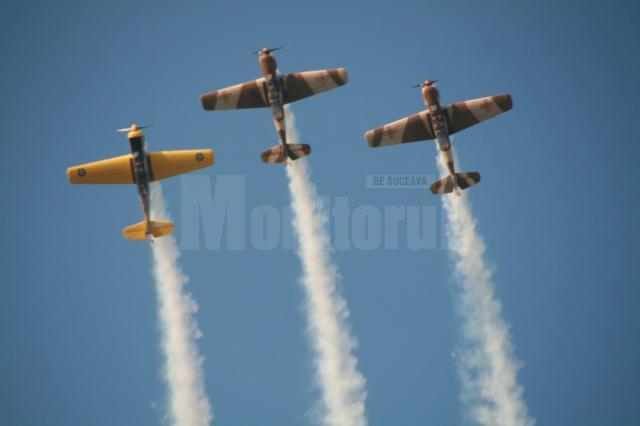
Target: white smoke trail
{"points": [[341, 384], [188, 402], [487, 365]]}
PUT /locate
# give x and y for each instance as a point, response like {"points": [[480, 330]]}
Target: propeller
{"points": [[266, 50], [425, 83], [133, 128]]}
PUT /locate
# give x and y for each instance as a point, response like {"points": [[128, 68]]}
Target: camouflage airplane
{"points": [[438, 123], [275, 90], [140, 168]]}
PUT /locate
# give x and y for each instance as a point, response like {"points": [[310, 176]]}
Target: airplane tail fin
{"points": [[277, 154], [448, 184], [139, 231]]}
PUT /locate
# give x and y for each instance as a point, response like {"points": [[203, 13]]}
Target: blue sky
{"points": [[557, 204]]}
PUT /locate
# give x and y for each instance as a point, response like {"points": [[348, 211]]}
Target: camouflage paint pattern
{"points": [[274, 91], [438, 123], [277, 154], [416, 127], [467, 113], [244, 95], [304, 84], [450, 183]]}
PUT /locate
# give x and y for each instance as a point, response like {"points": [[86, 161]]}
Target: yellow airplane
{"points": [[140, 168]]}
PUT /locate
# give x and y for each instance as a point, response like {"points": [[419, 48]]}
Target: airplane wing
{"points": [[165, 164], [467, 113], [243, 95], [413, 128], [114, 170], [301, 85]]}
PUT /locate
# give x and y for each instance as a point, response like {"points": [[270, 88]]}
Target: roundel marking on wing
{"points": [[199, 156], [81, 172]]}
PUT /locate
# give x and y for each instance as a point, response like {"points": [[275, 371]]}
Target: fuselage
{"points": [[439, 123], [141, 172], [275, 93]]}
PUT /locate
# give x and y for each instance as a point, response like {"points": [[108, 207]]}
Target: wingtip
{"points": [[74, 174], [368, 136], [209, 158], [504, 101], [208, 101], [344, 75]]}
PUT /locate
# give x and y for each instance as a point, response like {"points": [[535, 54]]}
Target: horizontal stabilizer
{"points": [[298, 150], [142, 230], [294, 152], [443, 186], [273, 155], [467, 179], [448, 184]]}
